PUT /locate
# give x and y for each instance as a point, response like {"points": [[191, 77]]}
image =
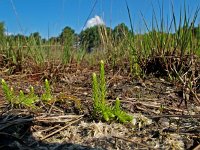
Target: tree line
{"points": [[89, 38]]}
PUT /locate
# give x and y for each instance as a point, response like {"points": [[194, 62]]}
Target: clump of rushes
{"points": [[47, 96], [99, 96]]}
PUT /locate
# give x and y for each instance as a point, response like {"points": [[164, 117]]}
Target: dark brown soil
{"points": [[160, 121]]}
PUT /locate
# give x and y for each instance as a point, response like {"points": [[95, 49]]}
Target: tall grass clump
{"points": [[170, 48], [135, 69], [168, 44], [66, 55], [19, 50], [13, 54], [35, 50]]}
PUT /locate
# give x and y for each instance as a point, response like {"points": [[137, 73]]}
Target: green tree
{"points": [[36, 36], [67, 36], [120, 32], [90, 38], [2, 36], [196, 32], [53, 40], [2, 29]]}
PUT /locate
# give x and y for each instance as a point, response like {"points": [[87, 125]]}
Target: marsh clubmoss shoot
{"points": [[2, 81], [102, 82], [99, 97], [47, 94], [95, 91], [8, 92], [27, 100], [31, 89], [47, 86], [21, 98], [121, 115], [21, 93]]}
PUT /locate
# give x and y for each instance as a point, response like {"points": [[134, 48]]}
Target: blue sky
{"points": [[51, 16]]}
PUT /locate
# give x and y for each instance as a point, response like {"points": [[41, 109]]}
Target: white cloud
{"points": [[8, 33], [94, 21]]}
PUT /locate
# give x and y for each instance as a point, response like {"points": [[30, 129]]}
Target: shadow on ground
{"points": [[16, 134]]}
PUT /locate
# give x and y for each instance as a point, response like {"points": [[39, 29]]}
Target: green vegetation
{"points": [[90, 38], [26, 100], [167, 48], [148, 74], [47, 96], [161, 40], [21, 99], [101, 107], [67, 38], [9, 93], [2, 37]]}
